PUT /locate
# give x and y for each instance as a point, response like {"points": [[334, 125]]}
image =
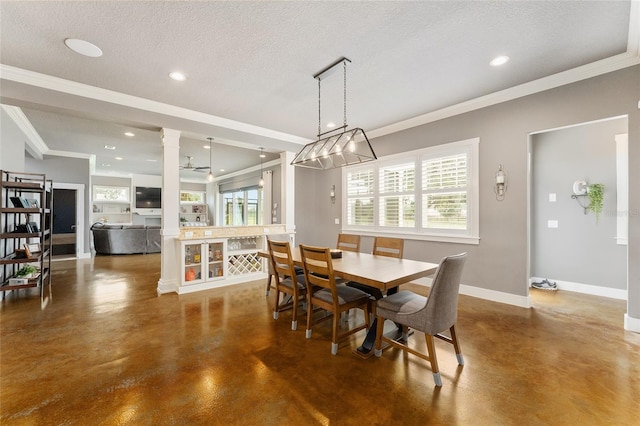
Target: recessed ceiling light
{"points": [[83, 47], [331, 124], [109, 147], [130, 134], [118, 158], [206, 146], [222, 170], [106, 165], [177, 76], [499, 60], [152, 161]]}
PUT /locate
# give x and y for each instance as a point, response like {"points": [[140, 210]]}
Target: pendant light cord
{"points": [[345, 93], [319, 120]]}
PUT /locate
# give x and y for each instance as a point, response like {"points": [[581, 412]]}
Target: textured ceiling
{"points": [[253, 62]]}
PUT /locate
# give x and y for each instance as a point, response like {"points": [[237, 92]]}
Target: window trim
{"points": [[470, 236]]}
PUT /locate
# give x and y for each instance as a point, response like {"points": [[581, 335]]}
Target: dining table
{"points": [[380, 272]]}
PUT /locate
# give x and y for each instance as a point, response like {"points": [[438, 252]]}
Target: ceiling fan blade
{"points": [[202, 168]]}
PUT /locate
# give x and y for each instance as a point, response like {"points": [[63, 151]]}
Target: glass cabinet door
{"points": [[216, 259], [193, 265]]}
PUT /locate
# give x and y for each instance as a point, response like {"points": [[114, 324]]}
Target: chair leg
{"points": [[432, 358], [276, 308], [379, 330], [309, 312], [268, 285], [334, 337], [294, 311], [456, 345]]}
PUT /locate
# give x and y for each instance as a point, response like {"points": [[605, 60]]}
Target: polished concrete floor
{"points": [[108, 351]]}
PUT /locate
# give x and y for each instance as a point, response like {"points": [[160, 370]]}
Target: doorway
{"points": [[67, 233], [569, 244]]}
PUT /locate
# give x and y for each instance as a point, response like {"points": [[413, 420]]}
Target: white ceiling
{"points": [[250, 68]]}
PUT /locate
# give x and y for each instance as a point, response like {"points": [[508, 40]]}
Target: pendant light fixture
{"points": [[210, 175], [339, 149], [261, 181]]}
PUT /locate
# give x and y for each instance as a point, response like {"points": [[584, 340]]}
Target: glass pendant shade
{"points": [[343, 149]]}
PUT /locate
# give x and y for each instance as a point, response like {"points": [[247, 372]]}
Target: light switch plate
{"points": [[552, 197], [337, 221], [552, 223]]}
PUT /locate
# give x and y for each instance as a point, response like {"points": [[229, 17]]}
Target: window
{"points": [[195, 197], [111, 193], [428, 194], [242, 207]]}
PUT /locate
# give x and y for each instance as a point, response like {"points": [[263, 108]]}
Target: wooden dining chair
{"points": [[431, 315], [324, 293], [390, 247], [271, 277], [287, 282], [348, 242], [382, 246]]}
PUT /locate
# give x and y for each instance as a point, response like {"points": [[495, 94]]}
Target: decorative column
{"points": [[169, 279], [287, 192]]}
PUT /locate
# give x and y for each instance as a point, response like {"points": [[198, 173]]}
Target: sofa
{"points": [[125, 239]]}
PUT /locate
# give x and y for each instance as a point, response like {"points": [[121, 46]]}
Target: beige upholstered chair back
{"points": [[441, 309]]}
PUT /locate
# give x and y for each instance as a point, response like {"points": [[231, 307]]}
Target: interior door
{"points": [[64, 222]]}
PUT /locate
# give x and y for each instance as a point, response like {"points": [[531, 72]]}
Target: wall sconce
{"points": [[580, 190], [500, 187], [332, 194]]}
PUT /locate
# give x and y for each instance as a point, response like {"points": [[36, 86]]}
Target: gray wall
{"points": [[67, 170], [499, 262], [580, 250]]}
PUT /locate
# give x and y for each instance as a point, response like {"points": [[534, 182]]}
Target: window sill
{"points": [[456, 239]]}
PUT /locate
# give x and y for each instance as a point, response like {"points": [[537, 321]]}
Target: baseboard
{"points": [[631, 324], [496, 296], [593, 290], [486, 294]]}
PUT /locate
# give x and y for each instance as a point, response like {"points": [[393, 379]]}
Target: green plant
{"points": [[27, 270], [595, 191]]}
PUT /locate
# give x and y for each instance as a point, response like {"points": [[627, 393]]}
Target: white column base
{"points": [[631, 324]]}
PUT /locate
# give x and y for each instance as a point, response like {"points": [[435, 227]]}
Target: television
{"points": [[148, 197]]}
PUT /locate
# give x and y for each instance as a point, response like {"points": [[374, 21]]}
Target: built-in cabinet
{"points": [[203, 261], [111, 204], [215, 256], [26, 222], [111, 212], [194, 214]]}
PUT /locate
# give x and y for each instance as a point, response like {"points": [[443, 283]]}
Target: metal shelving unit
{"points": [[26, 221]]}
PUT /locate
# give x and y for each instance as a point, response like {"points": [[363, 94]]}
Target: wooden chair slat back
{"points": [[348, 242], [390, 247], [318, 267], [281, 259]]}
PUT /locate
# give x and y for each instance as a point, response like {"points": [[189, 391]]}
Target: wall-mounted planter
{"points": [[593, 192]]}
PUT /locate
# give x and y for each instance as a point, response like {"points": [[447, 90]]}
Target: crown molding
{"points": [[57, 84], [34, 143], [69, 154], [593, 69]]}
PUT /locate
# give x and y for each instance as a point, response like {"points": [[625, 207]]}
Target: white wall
{"points": [[12, 148]]}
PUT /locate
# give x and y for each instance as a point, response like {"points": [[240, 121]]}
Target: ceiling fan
{"points": [[192, 167]]}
